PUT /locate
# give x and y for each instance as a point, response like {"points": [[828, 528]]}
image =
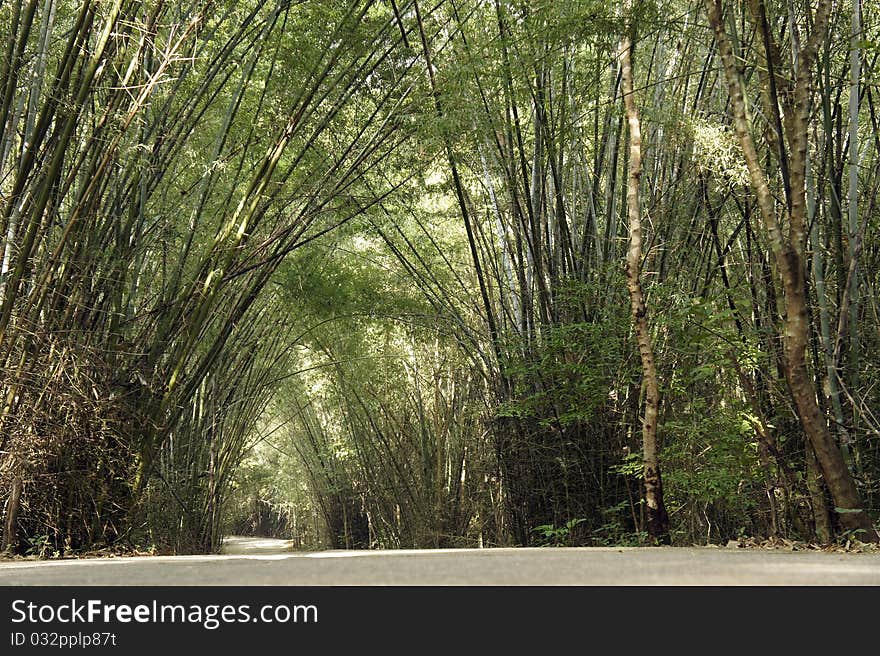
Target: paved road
{"points": [[255, 561]]}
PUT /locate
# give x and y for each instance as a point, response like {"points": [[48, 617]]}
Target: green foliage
{"points": [[557, 536], [711, 458], [631, 465], [38, 545], [574, 368], [571, 375], [617, 529]]}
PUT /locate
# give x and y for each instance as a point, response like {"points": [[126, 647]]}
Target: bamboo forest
{"points": [[438, 273]]}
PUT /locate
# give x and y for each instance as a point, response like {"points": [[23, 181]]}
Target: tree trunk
{"points": [[853, 205], [821, 517], [9, 530], [657, 518]]}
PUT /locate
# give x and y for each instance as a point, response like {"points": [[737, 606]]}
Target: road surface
{"points": [[258, 561]]}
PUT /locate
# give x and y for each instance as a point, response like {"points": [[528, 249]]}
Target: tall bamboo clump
{"points": [[536, 161], [787, 94], [136, 343], [537, 183], [70, 221]]}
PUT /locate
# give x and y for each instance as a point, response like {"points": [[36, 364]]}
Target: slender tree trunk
{"points": [[12, 505], [825, 321], [821, 517], [853, 205], [656, 516]]}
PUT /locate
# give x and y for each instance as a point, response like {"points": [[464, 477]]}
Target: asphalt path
{"points": [[259, 561]]}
